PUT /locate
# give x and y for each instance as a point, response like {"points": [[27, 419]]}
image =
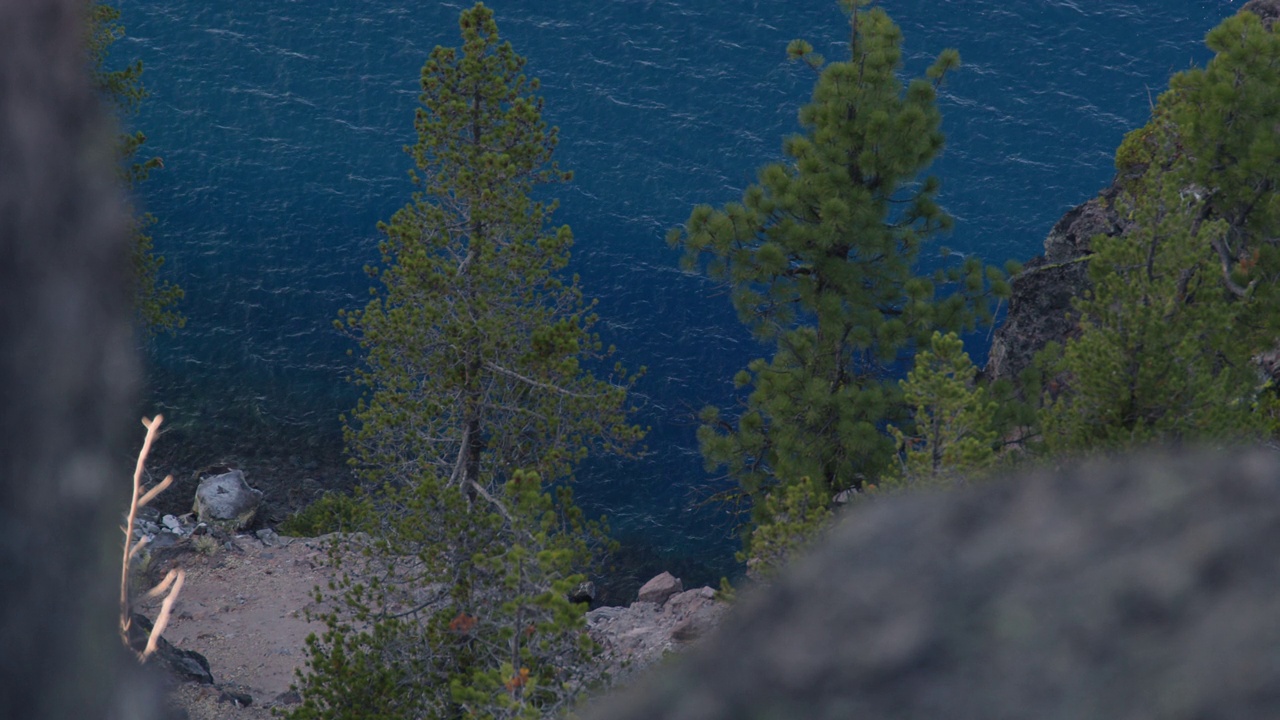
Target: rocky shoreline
{"points": [[237, 634]]}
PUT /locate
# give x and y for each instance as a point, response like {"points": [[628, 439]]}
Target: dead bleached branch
{"points": [[172, 583]]}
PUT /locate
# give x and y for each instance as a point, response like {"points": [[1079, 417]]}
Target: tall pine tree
{"points": [[475, 345], [823, 255], [478, 395]]}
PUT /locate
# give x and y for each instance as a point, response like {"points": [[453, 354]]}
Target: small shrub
{"points": [[205, 544], [333, 512]]}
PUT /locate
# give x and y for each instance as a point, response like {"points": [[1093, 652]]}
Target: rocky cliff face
{"points": [[1268, 10], [1040, 308]]}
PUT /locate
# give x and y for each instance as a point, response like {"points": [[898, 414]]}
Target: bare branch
{"points": [[545, 386], [166, 609], [496, 503], [173, 581]]}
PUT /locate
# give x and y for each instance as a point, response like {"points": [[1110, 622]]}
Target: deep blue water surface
{"points": [[280, 123]]}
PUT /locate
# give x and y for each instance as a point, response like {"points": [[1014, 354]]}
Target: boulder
{"points": [[182, 665], [227, 501], [1143, 587], [584, 593], [660, 588]]}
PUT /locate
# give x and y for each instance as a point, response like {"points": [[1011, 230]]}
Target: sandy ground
{"points": [[244, 608]]}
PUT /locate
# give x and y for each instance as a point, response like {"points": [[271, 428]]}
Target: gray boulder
{"points": [[1147, 587], [227, 501]]}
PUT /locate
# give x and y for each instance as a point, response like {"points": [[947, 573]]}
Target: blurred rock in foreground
{"points": [[1146, 587]]}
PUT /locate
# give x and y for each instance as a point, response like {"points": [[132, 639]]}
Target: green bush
{"points": [[333, 512]]}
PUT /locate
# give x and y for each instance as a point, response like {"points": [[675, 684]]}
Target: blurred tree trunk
{"points": [[67, 379]]}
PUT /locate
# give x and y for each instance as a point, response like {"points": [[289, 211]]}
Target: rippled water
{"points": [[281, 121]]}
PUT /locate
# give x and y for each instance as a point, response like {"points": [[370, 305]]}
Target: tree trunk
{"points": [[67, 376]]}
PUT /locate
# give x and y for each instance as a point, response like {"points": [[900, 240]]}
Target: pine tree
{"points": [[1183, 303], [454, 611], [156, 300], [1157, 358], [823, 258], [798, 514], [953, 418], [479, 405], [475, 346], [1213, 132]]}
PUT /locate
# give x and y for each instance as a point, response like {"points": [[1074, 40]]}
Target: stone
{"points": [[162, 540], [236, 697], [268, 537], [584, 593], [183, 665], [844, 497], [690, 629], [1137, 587], [635, 637], [227, 501], [660, 588]]}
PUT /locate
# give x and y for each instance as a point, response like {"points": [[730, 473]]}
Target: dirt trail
{"points": [[244, 609]]}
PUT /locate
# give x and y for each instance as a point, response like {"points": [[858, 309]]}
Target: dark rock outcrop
{"points": [[1040, 308], [1267, 10], [182, 665], [1140, 588]]}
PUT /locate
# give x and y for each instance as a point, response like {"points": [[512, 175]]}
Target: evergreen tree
{"points": [[1157, 357], [454, 611], [475, 345], [798, 513], [1214, 133], [952, 416], [823, 258], [1182, 303], [478, 398], [156, 300]]}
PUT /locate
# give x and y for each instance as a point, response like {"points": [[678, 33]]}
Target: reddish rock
{"points": [[632, 638], [660, 588]]}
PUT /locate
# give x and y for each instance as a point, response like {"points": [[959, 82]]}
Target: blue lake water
{"points": [[280, 123]]}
